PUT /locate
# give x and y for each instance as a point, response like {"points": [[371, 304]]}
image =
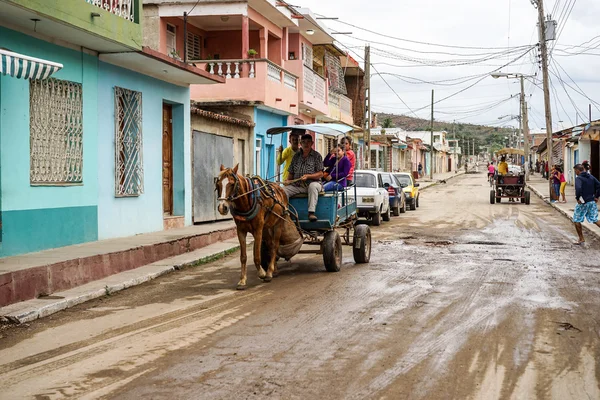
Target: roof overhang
{"points": [[320, 35], [25, 67], [160, 66]]}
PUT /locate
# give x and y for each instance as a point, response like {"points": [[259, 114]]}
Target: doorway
{"points": [[595, 158], [167, 160]]}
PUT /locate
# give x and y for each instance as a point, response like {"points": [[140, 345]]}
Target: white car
{"points": [[372, 197]]}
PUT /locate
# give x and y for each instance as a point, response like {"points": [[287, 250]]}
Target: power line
{"points": [[415, 41]]}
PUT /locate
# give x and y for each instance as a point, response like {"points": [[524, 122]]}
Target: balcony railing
{"points": [[122, 8], [346, 105], [236, 69], [314, 83]]}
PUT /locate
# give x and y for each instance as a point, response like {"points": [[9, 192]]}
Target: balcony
{"points": [[313, 89], [340, 108], [249, 80], [106, 26]]}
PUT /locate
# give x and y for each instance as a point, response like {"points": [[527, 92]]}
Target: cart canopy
{"points": [[324, 129], [510, 150]]}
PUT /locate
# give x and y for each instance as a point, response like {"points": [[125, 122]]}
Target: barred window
{"points": [[129, 176], [55, 132]]}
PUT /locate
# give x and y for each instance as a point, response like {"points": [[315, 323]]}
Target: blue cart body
{"points": [[333, 209]]}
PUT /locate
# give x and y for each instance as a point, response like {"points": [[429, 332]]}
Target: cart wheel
{"points": [[332, 251], [386, 216], [376, 218], [527, 197], [413, 204], [403, 209], [396, 211], [498, 199], [492, 197], [523, 199], [361, 247]]}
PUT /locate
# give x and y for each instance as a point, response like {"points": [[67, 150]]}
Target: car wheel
{"points": [[413, 204], [396, 210], [417, 201], [387, 216], [376, 218], [403, 209]]}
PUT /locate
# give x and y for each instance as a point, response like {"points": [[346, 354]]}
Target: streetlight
{"points": [[523, 121]]}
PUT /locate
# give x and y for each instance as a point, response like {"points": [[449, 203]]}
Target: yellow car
{"points": [[410, 189]]}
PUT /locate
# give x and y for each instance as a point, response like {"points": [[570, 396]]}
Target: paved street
{"points": [[461, 300]]}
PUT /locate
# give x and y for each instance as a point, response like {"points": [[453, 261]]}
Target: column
{"points": [[264, 43], [245, 36], [285, 46]]}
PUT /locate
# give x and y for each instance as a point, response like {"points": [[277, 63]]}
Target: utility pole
{"points": [[367, 155], [431, 157], [525, 127], [544, 52], [455, 144]]}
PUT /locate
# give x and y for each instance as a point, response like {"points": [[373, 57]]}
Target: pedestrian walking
{"points": [[420, 170], [537, 166], [587, 192], [563, 185], [546, 166]]}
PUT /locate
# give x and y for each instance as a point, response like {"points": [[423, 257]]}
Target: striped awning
{"points": [[21, 66]]}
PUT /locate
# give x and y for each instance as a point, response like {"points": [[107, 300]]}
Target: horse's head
{"points": [[226, 192]]}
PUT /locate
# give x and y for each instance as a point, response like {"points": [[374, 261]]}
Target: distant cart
{"points": [[512, 185], [336, 214]]}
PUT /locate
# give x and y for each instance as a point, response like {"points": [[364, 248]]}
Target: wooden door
{"points": [[167, 160]]}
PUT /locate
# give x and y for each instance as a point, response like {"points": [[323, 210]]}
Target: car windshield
{"points": [[387, 178], [365, 180], [404, 179]]}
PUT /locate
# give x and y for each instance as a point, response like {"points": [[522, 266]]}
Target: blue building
{"points": [[94, 129]]}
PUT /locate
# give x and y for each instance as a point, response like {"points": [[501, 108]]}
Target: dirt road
{"points": [[461, 300]]}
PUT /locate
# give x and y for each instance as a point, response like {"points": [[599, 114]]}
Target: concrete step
{"points": [[30, 310], [44, 273]]}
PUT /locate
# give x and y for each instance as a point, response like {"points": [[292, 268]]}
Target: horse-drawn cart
{"points": [[336, 213], [511, 185]]}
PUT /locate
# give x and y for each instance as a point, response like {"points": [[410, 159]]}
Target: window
{"points": [[364, 180], [257, 159], [171, 40], [56, 132], [194, 46], [129, 172]]}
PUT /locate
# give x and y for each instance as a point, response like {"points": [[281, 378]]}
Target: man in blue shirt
{"points": [[587, 192]]}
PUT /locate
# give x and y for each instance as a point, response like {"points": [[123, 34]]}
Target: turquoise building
{"points": [[94, 128]]}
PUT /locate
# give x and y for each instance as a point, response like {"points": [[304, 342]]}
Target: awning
{"points": [[21, 66]]}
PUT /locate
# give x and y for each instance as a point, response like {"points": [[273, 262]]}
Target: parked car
{"points": [[372, 198], [409, 187], [397, 198]]}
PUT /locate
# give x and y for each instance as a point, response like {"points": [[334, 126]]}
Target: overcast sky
{"points": [[487, 24]]}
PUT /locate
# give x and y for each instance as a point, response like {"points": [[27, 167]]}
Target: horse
{"points": [[259, 208]]}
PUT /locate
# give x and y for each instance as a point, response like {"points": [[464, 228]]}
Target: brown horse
{"points": [[259, 209]]}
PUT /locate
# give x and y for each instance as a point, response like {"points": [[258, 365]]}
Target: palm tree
{"points": [[387, 123]]}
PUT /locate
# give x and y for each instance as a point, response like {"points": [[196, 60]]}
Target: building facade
{"points": [[96, 148]]}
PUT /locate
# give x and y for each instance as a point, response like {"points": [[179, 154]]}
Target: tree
{"points": [[387, 123]]}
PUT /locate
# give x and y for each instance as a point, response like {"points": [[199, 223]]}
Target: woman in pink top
{"points": [[347, 142], [491, 171], [563, 184]]}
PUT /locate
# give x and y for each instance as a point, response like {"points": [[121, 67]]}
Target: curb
{"points": [[560, 210], [28, 314]]}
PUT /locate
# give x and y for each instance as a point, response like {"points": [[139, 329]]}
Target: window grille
{"points": [[194, 46], [129, 171], [55, 132], [335, 73], [307, 55]]}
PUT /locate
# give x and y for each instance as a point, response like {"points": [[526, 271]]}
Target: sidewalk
{"points": [[44, 276], [539, 186]]}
